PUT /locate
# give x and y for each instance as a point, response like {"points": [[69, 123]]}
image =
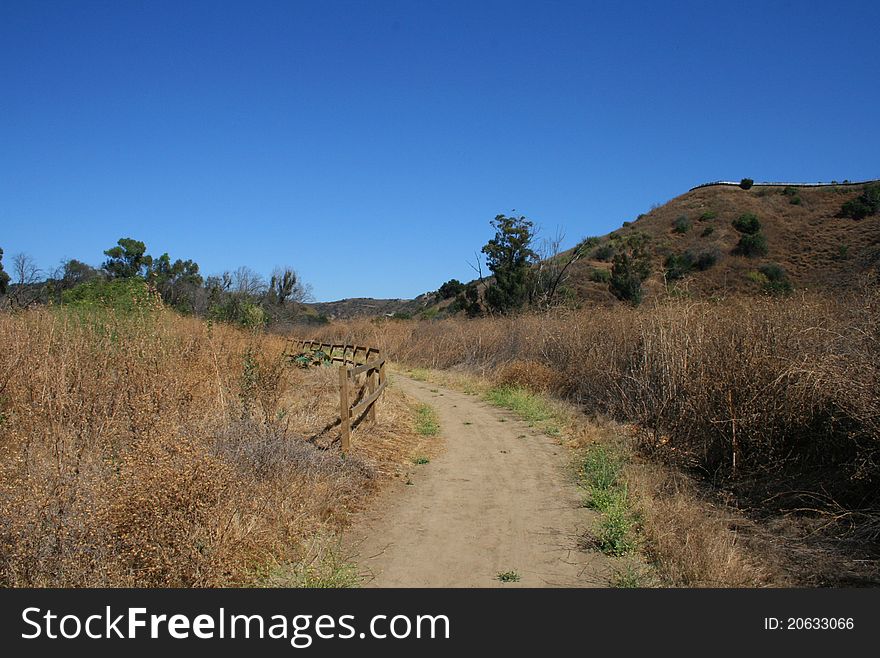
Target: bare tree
{"points": [[26, 276], [247, 282], [552, 269]]}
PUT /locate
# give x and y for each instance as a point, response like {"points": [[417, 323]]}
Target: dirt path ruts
{"points": [[496, 499]]}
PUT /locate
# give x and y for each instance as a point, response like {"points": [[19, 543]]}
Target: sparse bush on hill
{"points": [[866, 204], [751, 245], [588, 243], [747, 223], [752, 242], [604, 252], [706, 259], [468, 301], [630, 267], [600, 275], [776, 279], [450, 289], [678, 266], [708, 216], [746, 183], [682, 224], [709, 230]]}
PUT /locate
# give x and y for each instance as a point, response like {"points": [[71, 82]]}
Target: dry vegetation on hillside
{"points": [[806, 237], [146, 449], [772, 401]]}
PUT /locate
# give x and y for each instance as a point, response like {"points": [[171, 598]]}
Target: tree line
{"points": [[241, 296]]}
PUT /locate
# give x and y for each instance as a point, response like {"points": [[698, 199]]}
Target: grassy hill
{"points": [[805, 235], [809, 244]]}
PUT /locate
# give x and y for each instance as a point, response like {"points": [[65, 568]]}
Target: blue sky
{"points": [[368, 144]]}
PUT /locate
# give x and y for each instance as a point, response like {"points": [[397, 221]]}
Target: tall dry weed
{"points": [[775, 397], [148, 449]]}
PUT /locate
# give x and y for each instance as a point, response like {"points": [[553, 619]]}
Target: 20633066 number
{"points": [[809, 623]]}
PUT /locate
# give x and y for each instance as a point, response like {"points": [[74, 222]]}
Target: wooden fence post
{"points": [[372, 375], [344, 408], [381, 372]]}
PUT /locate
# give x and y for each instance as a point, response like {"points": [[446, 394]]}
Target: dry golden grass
{"points": [[153, 450], [690, 541], [772, 400]]}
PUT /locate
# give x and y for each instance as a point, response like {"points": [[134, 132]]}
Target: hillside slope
{"points": [[806, 236], [344, 309]]}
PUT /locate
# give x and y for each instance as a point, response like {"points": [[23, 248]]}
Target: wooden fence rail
{"points": [[366, 390], [337, 352]]}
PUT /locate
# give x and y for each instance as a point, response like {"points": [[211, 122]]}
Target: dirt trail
{"points": [[496, 499]]}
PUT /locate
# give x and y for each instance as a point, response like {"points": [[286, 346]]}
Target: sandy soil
{"points": [[496, 498]]}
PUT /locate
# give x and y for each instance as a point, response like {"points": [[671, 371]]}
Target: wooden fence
{"points": [[355, 360]]}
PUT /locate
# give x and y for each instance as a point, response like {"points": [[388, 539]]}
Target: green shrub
{"points": [[772, 271], [706, 259], [124, 295], [600, 275], [708, 216], [751, 245], [790, 191], [604, 252], [756, 277], [681, 224], [795, 201], [709, 230], [747, 223], [678, 266], [746, 183], [239, 310], [587, 243], [866, 204], [776, 279], [450, 289], [630, 268]]}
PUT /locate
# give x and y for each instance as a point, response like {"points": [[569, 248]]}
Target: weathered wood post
{"points": [[372, 375], [344, 408], [381, 372]]}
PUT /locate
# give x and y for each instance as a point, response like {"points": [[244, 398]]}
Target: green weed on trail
{"points": [[426, 421], [534, 409], [616, 532], [419, 374]]}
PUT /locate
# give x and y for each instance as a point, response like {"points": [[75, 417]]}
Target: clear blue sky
{"points": [[368, 144]]}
